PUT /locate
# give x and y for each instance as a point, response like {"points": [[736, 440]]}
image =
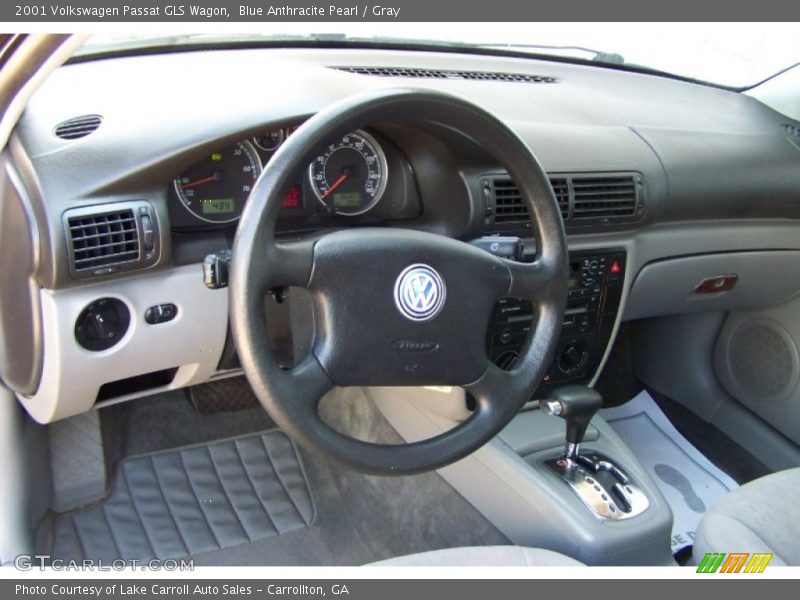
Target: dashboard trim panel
{"points": [[193, 341]]}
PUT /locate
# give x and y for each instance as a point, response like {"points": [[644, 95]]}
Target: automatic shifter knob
{"points": [[576, 404]]}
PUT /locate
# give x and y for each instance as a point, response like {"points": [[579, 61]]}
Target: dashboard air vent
{"points": [[792, 130], [601, 197], [415, 73], [108, 238], [583, 200], [792, 134], [561, 189], [79, 127], [103, 239], [509, 207]]}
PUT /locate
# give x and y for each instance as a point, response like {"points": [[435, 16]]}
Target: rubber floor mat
{"points": [[224, 395], [690, 483], [196, 499]]}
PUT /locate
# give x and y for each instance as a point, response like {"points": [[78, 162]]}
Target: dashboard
{"points": [[646, 170]]}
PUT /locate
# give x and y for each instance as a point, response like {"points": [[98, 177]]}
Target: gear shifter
{"points": [[576, 404], [596, 479]]}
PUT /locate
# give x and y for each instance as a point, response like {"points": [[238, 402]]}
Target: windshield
{"points": [[735, 55]]}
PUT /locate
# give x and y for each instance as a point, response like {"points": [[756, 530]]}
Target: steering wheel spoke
{"points": [[307, 382], [290, 263], [531, 281], [496, 392]]}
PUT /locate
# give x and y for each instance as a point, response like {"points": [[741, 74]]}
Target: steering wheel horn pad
{"points": [[395, 306], [365, 339]]}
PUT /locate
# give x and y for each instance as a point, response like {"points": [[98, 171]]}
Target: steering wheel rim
{"points": [[262, 262]]}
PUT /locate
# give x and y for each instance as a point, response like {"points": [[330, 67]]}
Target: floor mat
{"points": [[690, 483], [715, 445], [196, 499], [223, 395], [358, 518]]}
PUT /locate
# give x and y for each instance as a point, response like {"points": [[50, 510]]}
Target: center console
{"points": [[585, 493], [539, 494], [595, 291]]}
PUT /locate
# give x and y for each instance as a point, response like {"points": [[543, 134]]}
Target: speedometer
{"points": [[216, 189], [350, 177]]}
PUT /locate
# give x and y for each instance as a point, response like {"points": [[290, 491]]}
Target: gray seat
{"points": [[483, 556], [761, 516]]}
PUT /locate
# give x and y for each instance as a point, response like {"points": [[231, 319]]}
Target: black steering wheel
{"points": [[395, 306]]}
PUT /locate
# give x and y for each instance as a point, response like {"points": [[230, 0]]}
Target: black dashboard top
{"points": [[696, 152]]}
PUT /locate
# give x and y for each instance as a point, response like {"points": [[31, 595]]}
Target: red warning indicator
{"points": [[292, 199], [615, 268]]}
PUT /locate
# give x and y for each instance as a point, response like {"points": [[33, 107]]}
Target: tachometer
{"points": [[350, 177], [216, 189]]}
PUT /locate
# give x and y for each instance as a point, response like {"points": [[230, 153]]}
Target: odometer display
{"points": [[215, 207], [350, 177], [346, 200], [216, 189]]}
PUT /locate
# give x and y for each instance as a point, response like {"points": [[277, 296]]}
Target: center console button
{"points": [[593, 266]]}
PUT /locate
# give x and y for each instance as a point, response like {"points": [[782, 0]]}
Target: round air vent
{"points": [[506, 360], [763, 361], [573, 357], [78, 127]]}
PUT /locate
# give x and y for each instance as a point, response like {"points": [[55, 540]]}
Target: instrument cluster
{"points": [[349, 179]]}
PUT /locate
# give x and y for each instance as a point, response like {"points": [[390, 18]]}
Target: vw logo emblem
{"points": [[419, 293]]}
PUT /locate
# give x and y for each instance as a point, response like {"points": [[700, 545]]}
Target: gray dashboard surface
{"points": [[705, 152]]}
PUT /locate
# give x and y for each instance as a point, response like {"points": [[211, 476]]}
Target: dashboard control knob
{"points": [[505, 336], [101, 324], [572, 357]]}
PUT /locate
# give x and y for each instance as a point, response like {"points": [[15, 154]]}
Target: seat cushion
{"points": [[761, 516], [483, 556]]}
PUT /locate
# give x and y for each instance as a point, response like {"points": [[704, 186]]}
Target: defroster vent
{"points": [[416, 73]]}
